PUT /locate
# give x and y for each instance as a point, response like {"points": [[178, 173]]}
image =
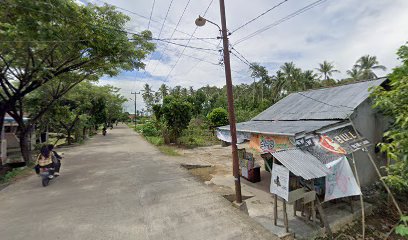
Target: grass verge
{"points": [[15, 174]]}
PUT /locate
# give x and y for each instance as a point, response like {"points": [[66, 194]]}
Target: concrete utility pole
{"points": [[231, 112], [135, 105]]}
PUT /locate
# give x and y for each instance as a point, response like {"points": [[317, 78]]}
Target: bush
{"points": [[149, 129], [218, 117], [176, 114]]}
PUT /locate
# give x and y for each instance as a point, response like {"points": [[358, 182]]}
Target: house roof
{"points": [[321, 104], [287, 128], [301, 163]]}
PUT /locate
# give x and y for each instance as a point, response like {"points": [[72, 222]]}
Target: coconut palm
{"points": [[367, 64], [326, 69], [354, 73]]}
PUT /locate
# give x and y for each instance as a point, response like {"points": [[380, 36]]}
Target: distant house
{"points": [[295, 119], [9, 141]]}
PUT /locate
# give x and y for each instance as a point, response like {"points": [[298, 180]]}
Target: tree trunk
{"points": [[25, 145], [2, 115], [84, 133], [69, 137]]}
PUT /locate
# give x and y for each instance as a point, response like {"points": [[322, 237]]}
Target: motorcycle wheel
{"points": [[45, 182]]}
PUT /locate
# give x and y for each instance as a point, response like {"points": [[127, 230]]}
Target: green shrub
{"points": [[218, 117], [149, 129]]}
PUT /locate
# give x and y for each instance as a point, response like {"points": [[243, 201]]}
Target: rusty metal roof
{"points": [[301, 163], [321, 104], [287, 128]]}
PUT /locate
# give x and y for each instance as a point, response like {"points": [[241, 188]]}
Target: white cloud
{"points": [[338, 31]]}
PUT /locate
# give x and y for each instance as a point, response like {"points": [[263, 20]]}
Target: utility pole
{"points": [[135, 105], [231, 111], [200, 21]]}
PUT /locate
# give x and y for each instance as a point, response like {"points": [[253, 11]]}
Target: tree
{"points": [[177, 115], [326, 69], [43, 42], [260, 72], [148, 97], [164, 91], [354, 73], [394, 104], [367, 64], [218, 117]]}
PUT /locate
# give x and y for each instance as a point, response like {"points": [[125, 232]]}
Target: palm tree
{"points": [[366, 64], [354, 73], [326, 69], [164, 90], [309, 79]]}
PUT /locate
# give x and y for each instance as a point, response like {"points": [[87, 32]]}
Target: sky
{"points": [[337, 31]]}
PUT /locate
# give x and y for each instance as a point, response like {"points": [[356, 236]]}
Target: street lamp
{"points": [[200, 21]]}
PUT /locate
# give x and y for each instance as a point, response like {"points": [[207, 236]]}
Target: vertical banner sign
{"points": [[280, 181], [269, 144], [340, 182]]}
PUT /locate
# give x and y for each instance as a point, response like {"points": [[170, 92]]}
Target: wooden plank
{"points": [[309, 197], [296, 195]]}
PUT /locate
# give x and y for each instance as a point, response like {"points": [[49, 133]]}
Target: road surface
{"points": [[120, 187]]}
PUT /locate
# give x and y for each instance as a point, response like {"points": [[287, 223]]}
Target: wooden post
{"points": [[313, 205], [275, 210], [285, 216], [324, 218], [275, 203], [361, 197]]}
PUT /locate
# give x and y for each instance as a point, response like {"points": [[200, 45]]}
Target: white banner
{"points": [[340, 182], [280, 181], [225, 136]]}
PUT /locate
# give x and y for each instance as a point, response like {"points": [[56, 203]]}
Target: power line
{"points": [[187, 46], [242, 56], [262, 14], [150, 18], [195, 29], [153, 20], [178, 23], [185, 39], [284, 19], [337, 106], [165, 18], [240, 59], [75, 21]]}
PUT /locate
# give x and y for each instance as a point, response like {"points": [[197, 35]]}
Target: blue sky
{"points": [[337, 31]]}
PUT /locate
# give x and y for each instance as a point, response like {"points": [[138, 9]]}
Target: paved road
{"points": [[120, 187]]}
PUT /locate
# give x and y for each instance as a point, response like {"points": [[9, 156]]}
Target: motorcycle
{"points": [[47, 174]]}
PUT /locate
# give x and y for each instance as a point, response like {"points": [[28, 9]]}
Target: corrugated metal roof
{"points": [[301, 163], [288, 128], [329, 103]]}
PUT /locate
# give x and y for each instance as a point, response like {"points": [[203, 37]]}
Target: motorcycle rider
{"points": [[57, 159], [45, 160]]}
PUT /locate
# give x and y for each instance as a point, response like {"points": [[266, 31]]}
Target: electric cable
{"points": [[151, 13], [195, 29], [257, 17], [153, 20], [178, 23], [278, 22]]}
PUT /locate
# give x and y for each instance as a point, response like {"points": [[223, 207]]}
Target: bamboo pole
{"points": [[361, 197], [377, 170]]}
